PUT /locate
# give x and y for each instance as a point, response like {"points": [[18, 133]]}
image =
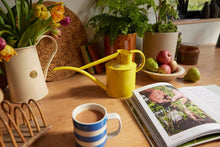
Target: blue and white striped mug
{"points": [[93, 134]]}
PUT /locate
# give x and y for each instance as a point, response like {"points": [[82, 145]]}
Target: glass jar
{"points": [[188, 54]]}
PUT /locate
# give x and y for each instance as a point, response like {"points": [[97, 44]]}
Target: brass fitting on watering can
{"points": [[120, 72]]}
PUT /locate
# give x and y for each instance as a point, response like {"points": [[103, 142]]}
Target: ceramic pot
{"points": [[122, 42], [153, 43], [26, 80]]}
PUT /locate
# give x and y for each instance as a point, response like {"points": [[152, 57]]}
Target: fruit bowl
{"points": [[165, 77]]}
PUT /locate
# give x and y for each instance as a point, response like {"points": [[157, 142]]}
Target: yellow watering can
{"points": [[120, 73]]}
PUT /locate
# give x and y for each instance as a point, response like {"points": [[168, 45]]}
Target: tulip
{"points": [[57, 12], [40, 11], [7, 53], [56, 33], [66, 21], [54, 24], [2, 43]]}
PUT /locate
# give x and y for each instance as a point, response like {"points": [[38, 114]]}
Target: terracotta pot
{"points": [[153, 43], [122, 42]]}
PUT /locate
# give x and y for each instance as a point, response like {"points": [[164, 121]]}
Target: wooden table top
{"points": [[65, 95]]}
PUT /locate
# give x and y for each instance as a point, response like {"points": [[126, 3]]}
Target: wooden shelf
{"points": [[193, 21]]}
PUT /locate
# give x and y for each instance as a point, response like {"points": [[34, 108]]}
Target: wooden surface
{"points": [[65, 95]]}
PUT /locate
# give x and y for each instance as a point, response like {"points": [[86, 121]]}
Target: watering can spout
{"points": [[81, 69], [99, 83]]}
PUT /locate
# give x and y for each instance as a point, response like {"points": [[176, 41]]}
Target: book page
{"points": [[177, 118], [206, 97]]}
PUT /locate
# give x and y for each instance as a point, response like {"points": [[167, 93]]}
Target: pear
{"points": [[192, 75], [151, 65]]}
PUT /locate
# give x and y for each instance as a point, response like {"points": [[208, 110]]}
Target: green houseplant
{"points": [[119, 18], [164, 12], [163, 33]]}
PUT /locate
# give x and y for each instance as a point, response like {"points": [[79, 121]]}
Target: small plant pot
{"points": [[122, 42], [154, 43]]}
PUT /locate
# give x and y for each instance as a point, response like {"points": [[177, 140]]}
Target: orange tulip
{"points": [[7, 53], [57, 12]]}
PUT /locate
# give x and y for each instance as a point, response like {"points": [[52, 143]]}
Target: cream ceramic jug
{"points": [[26, 80]]}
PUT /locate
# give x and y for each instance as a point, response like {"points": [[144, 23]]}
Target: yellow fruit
{"points": [[192, 75]]}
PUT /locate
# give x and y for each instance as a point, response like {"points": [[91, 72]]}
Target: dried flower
{"points": [[2, 43], [7, 53], [66, 21]]}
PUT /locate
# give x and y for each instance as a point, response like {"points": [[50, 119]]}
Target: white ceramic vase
{"points": [[26, 80], [153, 43]]}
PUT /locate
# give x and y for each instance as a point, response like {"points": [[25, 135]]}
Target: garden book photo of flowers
{"points": [[177, 117]]}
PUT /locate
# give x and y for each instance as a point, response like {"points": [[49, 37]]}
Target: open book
{"points": [[177, 117]]}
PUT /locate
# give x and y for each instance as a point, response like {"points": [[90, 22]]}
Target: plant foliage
{"points": [[121, 17], [19, 26], [17, 36], [164, 12]]}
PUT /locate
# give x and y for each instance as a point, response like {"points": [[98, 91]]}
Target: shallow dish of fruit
{"points": [[165, 77], [163, 68]]}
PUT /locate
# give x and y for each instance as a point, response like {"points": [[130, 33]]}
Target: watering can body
{"points": [[120, 73], [120, 79]]}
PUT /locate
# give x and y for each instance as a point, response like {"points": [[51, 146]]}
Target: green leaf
{"points": [[120, 17], [10, 13], [5, 31], [3, 15], [1, 20], [2, 72], [28, 34], [22, 8], [12, 41]]}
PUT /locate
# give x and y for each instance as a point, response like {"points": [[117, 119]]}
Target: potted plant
{"points": [[163, 33], [21, 28], [119, 22]]}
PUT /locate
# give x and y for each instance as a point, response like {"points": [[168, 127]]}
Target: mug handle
{"points": [[142, 57], [52, 54], [114, 116]]}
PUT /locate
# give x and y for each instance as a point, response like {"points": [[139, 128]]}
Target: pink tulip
{"points": [[56, 33], [66, 21], [2, 43]]}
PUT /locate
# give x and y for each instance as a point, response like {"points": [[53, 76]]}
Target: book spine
{"points": [[94, 56], [87, 58]]}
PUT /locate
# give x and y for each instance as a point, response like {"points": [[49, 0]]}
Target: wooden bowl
{"points": [[165, 77]]}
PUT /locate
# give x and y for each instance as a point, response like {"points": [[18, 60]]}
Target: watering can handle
{"points": [[51, 56], [142, 61]]}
